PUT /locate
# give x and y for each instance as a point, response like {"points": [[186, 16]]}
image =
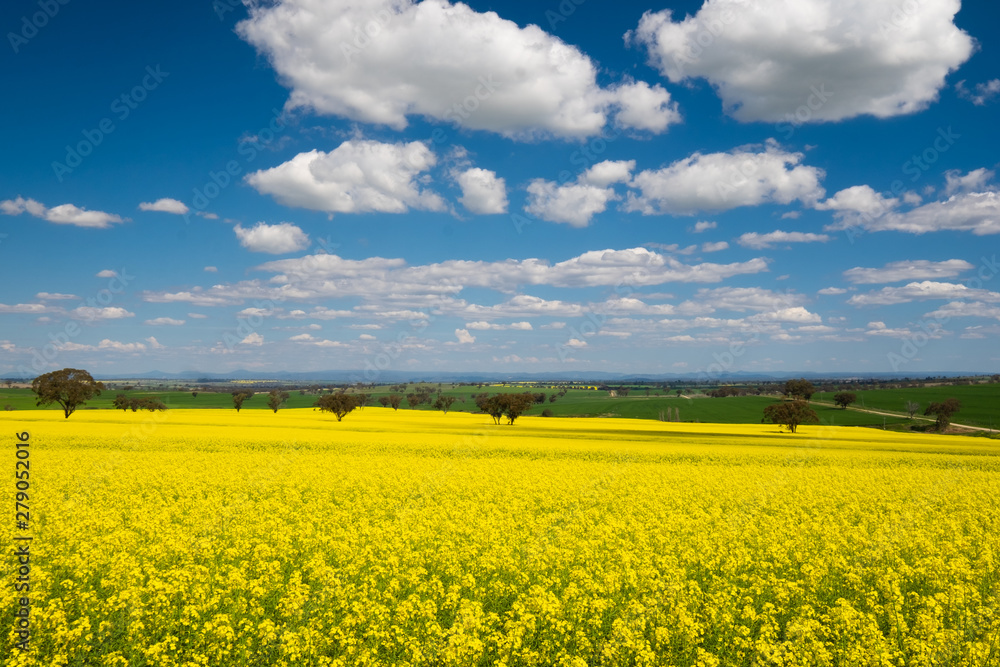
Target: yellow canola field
{"points": [[202, 537]]}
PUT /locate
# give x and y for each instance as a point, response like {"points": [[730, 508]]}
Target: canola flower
{"points": [[198, 537]]}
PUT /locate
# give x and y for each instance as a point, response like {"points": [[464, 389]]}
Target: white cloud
{"points": [[25, 308], [977, 179], [745, 176], [921, 291], [445, 62], [704, 226], [574, 204], [211, 269], [832, 291], [165, 205], [482, 191], [748, 298], [366, 337], [858, 202], [645, 107], [98, 313], [907, 270], [359, 176], [576, 342], [164, 321], [273, 239], [464, 337], [50, 296], [812, 60], [607, 173], [153, 343], [760, 241], [254, 339], [117, 346], [107, 273], [976, 212], [965, 309], [487, 326], [984, 92], [578, 202], [714, 247], [197, 316], [303, 338], [64, 214]]}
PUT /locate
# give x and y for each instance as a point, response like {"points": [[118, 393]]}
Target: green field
{"points": [[980, 402], [576, 403]]}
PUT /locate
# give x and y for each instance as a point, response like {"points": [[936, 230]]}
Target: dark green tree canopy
{"points": [[338, 404], [800, 388], [70, 388], [944, 411], [845, 398], [790, 414]]}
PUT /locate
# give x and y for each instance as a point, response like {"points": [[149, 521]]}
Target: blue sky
{"points": [[676, 187]]}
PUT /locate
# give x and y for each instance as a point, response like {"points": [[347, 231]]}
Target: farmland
{"points": [[204, 537], [575, 403]]}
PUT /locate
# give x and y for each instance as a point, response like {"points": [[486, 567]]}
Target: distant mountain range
{"points": [[388, 376]]}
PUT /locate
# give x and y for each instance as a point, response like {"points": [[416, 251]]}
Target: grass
{"points": [[977, 401], [980, 402]]}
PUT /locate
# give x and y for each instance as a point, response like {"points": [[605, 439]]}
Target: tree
{"points": [[121, 402], [363, 399], [911, 408], [395, 400], [338, 404], [800, 388], [443, 403], [845, 398], [152, 404], [70, 388], [790, 414], [239, 397], [505, 405], [384, 400], [194, 394], [275, 398], [944, 411]]}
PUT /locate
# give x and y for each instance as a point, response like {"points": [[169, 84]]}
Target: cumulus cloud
{"points": [[856, 203], [577, 203], [977, 179], [464, 337], [907, 270], [254, 339], [746, 176], [165, 205], [922, 291], [489, 326], [164, 321], [107, 273], [98, 313], [832, 291], [981, 93], [273, 239], [359, 176], [482, 191], [714, 247], [50, 296], [477, 70], [760, 241], [965, 309], [976, 212], [64, 214], [704, 226], [811, 60]]}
